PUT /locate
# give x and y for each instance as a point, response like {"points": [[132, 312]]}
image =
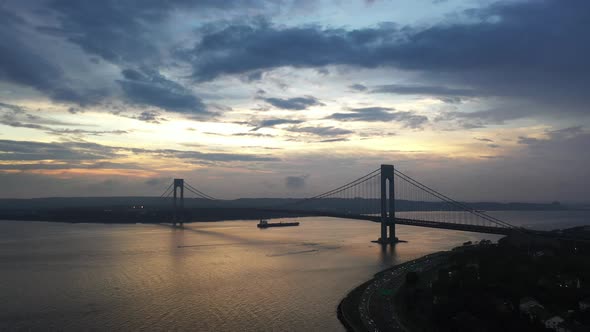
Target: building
{"points": [[531, 308], [555, 323]]}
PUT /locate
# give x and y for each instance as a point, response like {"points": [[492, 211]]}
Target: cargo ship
{"points": [[265, 224]]}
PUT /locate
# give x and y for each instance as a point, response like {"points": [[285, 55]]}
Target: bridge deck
{"points": [[403, 221]]}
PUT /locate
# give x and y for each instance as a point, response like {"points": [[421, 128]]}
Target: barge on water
{"points": [[265, 224]]}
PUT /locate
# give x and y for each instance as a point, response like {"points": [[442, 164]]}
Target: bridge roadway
{"points": [[436, 224], [401, 221]]}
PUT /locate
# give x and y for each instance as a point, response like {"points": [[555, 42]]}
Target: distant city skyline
{"points": [[484, 100]]}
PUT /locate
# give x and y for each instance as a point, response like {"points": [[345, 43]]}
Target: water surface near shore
{"points": [[208, 276]]}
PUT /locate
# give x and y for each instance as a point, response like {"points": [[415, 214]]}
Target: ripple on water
{"points": [[222, 276]]}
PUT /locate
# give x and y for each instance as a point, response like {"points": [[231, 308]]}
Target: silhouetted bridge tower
{"points": [[178, 202], [387, 205], [176, 191], [385, 195]]}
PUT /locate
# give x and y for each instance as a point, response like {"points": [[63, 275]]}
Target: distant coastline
{"points": [[156, 202], [157, 210]]}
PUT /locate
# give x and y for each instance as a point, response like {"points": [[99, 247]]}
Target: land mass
{"points": [[523, 283], [154, 209]]}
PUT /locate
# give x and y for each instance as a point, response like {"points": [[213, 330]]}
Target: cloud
{"points": [[451, 95], [19, 117], [69, 165], [332, 140], [238, 49], [23, 63], [484, 118], [295, 182], [223, 157], [150, 116], [253, 134], [128, 31], [574, 135], [272, 122], [297, 103], [151, 88], [567, 133], [37, 51], [381, 114], [358, 87], [82, 132], [503, 49], [320, 131], [28, 150], [157, 182], [527, 140], [85, 151]]}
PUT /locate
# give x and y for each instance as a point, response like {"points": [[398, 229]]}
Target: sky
{"points": [[482, 100]]}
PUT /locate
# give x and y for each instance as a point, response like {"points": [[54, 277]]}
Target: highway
{"points": [[382, 317]]}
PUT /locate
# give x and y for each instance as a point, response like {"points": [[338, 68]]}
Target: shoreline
{"points": [[349, 311]]}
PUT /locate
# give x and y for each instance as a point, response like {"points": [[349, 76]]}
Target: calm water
{"points": [[222, 276]]}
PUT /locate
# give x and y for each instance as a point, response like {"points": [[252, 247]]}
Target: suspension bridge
{"points": [[385, 196]]}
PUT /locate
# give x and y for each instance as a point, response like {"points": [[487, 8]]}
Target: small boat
{"points": [[265, 224]]}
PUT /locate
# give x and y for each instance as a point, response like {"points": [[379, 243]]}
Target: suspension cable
{"points": [[201, 195], [348, 185], [198, 192], [165, 191], [452, 201]]}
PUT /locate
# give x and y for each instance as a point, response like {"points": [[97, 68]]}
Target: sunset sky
{"points": [[483, 100]]}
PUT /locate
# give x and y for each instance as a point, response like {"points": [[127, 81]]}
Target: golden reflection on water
{"points": [[207, 276]]}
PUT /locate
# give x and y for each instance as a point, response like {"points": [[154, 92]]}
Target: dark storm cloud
{"points": [[25, 64], [297, 103], [381, 114], [126, 31], [524, 49], [295, 182], [120, 32], [114, 30], [19, 63], [243, 48], [151, 88]]}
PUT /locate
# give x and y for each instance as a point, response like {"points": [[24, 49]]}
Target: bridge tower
{"points": [[387, 205], [178, 203]]}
